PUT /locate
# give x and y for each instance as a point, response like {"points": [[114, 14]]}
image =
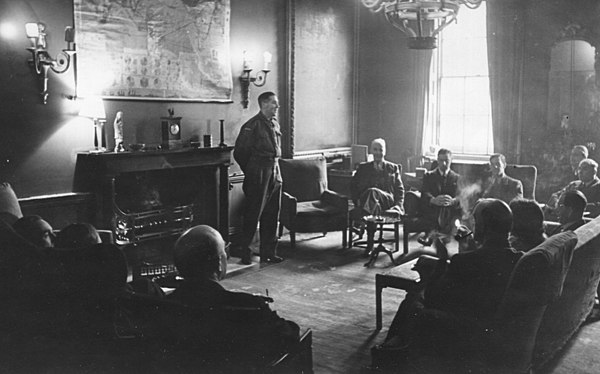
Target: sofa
{"points": [[550, 294]]}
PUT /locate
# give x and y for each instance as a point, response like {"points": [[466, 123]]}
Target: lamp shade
{"points": [[92, 107]]}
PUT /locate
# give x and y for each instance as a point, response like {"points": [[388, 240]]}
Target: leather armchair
{"points": [[306, 203]]}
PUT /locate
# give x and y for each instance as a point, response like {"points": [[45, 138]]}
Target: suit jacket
{"points": [[474, 282], [504, 188], [387, 180], [569, 226], [434, 185], [591, 192], [238, 323]]}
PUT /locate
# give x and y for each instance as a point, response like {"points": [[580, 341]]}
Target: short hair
{"points": [[500, 156], [77, 235], [494, 215], [444, 151], [589, 162], [197, 252], [528, 217], [576, 200], [264, 97], [581, 149], [380, 141]]}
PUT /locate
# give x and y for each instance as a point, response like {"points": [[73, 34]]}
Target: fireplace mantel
{"points": [[96, 173]]}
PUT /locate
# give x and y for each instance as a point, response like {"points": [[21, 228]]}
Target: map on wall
{"points": [[153, 49]]}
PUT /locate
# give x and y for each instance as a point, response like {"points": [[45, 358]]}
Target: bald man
{"points": [[252, 332]]}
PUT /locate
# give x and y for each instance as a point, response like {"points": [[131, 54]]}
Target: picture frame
{"points": [[151, 50]]}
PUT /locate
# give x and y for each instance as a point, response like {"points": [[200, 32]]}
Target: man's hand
{"points": [[442, 200]]}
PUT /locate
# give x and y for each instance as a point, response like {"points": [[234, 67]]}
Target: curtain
{"points": [[422, 97], [506, 40]]}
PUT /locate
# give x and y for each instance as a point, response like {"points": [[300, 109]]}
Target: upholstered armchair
{"points": [[306, 203]]}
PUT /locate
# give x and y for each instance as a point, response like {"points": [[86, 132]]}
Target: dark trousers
{"points": [[262, 188]]}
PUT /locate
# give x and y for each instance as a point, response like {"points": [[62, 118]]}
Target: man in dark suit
{"points": [[470, 285], [240, 324], [377, 186], [571, 207], [499, 185], [439, 196]]}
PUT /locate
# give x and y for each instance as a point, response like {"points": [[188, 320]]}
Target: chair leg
{"points": [[344, 241], [293, 239], [405, 238]]}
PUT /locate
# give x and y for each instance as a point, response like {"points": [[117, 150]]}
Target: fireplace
{"points": [[148, 198]]}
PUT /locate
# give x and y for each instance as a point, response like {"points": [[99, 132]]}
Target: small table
{"points": [[402, 277], [376, 222]]}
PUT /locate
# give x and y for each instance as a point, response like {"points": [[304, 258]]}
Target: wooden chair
{"points": [[307, 205], [527, 174]]}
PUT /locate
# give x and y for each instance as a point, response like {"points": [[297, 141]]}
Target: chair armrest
{"points": [[333, 198], [288, 204]]}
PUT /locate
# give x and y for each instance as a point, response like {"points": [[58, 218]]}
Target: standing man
{"points": [[499, 185], [438, 197], [257, 151]]}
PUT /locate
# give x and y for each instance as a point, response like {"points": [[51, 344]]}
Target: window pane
{"points": [[477, 98], [476, 134], [453, 103], [451, 132]]}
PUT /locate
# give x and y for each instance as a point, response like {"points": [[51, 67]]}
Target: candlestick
{"points": [[222, 144]]}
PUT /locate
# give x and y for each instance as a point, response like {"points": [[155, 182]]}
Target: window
{"points": [[459, 113]]}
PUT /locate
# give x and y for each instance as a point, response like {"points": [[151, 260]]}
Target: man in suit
{"points": [[240, 324], [588, 183], [377, 186], [571, 207], [470, 285], [257, 151], [439, 197], [499, 185]]}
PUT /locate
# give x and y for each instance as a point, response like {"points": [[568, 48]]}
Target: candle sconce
{"points": [[41, 60], [258, 80]]}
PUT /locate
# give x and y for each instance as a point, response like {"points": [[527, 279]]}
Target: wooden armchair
{"points": [[306, 203]]}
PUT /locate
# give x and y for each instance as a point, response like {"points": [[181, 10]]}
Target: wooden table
{"points": [[401, 277]]}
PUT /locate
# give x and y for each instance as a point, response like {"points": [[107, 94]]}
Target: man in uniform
{"points": [[257, 151]]}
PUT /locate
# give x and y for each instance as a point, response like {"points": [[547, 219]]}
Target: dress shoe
{"points": [[246, 260], [425, 240], [271, 259]]}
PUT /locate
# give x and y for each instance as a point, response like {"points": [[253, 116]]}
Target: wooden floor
{"points": [[328, 289]]}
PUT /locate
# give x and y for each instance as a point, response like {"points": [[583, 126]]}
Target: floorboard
{"points": [[328, 289]]}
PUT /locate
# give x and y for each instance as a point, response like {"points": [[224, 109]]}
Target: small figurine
{"points": [[118, 126]]}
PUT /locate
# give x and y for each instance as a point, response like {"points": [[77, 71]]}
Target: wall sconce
{"points": [[41, 59], [258, 80], [93, 107]]}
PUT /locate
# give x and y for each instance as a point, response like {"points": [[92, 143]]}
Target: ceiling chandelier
{"points": [[420, 20]]}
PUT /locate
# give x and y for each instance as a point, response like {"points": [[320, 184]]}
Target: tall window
{"points": [[459, 111]]}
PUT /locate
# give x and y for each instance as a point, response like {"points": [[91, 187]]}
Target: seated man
{"points": [[499, 185], [440, 206], [470, 285], [528, 225], [255, 332], [578, 153], [588, 184], [571, 207], [376, 186], [36, 230]]}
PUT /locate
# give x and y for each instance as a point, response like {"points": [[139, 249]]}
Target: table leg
{"points": [[378, 289]]}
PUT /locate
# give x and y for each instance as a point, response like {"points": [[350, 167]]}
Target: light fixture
{"points": [[258, 80], [420, 20], [41, 60], [93, 107]]}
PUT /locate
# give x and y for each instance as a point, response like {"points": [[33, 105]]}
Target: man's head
{"points": [[497, 164], [578, 153], [571, 206], [378, 149], [35, 230], [493, 218], [528, 218], [587, 170], [444, 159], [200, 254], [269, 104]]}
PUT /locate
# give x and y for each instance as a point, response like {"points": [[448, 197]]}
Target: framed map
{"points": [[153, 49]]}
